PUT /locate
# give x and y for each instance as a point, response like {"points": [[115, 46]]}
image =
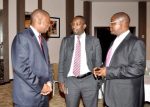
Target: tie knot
{"points": [[78, 37], [40, 38]]}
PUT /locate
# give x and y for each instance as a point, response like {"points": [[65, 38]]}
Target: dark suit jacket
{"points": [[93, 53], [31, 68], [124, 85]]}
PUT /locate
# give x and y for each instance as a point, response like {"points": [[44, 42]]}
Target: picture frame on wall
{"points": [[54, 29]]}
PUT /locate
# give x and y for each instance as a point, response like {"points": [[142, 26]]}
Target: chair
{"points": [[55, 75]]}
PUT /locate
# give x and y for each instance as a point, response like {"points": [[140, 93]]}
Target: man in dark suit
{"points": [[75, 77], [125, 65], [32, 73]]}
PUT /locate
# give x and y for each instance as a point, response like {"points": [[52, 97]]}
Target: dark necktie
{"points": [[40, 43], [108, 57], [77, 58]]}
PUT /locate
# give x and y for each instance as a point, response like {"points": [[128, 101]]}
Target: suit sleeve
{"points": [[135, 66], [21, 65], [98, 53], [61, 61]]}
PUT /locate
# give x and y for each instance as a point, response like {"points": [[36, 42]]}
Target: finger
{"points": [[42, 93], [95, 75], [94, 72], [94, 68]]}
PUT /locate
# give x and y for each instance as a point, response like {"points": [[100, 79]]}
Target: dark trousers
{"points": [[44, 103]]}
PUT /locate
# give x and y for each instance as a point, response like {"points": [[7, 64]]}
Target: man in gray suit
{"points": [[30, 61], [75, 77], [125, 65]]}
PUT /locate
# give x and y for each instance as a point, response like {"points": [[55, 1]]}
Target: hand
{"points": [[50, 85], [96, 71], [61, 87], [102, 72], [99, 71], [46, 89]]}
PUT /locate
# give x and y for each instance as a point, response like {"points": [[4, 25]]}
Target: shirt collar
{"points": [[35, 31], [82, 36], [123, 35]]}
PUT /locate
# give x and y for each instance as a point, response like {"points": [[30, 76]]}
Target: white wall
{"points": [[1, 4], [102, 12], [78, 7], [31, 5], [12, 30], [56, 8], [148, 31]]}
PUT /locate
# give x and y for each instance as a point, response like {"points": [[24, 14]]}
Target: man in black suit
{"points": [[75, 76], [32, 74], [124, 67]]}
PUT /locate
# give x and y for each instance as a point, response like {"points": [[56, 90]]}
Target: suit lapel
{"points": [[37, 43], [71, 43], [88, 47], [87, 44], [121, 45], [45, 53]]}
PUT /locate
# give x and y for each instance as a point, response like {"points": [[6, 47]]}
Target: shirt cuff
{"points": [[49, 83]]}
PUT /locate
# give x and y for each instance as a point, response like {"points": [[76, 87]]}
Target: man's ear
{"points": [[84, 26]]}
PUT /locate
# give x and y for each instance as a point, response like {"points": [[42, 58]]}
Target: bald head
{"points": [[38, 14], [119, 23], [121, 16], [40, 20]]}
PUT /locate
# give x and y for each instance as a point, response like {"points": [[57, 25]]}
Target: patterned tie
{"points": [[77, 58], [108, 57], [40, 43]]}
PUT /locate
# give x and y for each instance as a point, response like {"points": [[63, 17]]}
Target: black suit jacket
{"points": [[93, 54], [31, 68], [124, 86]]}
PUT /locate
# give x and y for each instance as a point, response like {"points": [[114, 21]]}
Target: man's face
{"points": [[45, 24], [115, 26], [78, 26]]}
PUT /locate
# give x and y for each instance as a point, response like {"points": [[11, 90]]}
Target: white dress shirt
{"points": [[117, 42], [36, 33], [83, 65]]}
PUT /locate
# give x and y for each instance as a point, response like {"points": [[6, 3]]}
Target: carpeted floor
{"points": [[56, 101]]}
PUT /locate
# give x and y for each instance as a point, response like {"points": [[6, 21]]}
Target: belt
{"points": [[84, 75]]}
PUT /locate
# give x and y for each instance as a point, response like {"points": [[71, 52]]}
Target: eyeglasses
{"points": [[116, 21]]}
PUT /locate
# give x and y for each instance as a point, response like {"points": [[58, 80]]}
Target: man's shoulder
{"points": [[26, 31], [91, 37], [68, 37], [133, 37]]}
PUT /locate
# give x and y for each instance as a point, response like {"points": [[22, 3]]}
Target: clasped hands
{"points": [[99, 72], [47, 89]]}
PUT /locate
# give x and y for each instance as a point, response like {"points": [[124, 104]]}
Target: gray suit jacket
{"points": [[124, 86], [31, 68], [93, 53]]}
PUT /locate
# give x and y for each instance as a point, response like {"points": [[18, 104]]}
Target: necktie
{"points": [[40, 43], [108, 57], [77, 58]]}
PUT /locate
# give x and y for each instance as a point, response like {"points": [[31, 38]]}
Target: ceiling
{"points": [[116, 0]]}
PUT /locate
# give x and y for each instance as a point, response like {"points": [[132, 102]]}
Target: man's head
{"points": [[119, 23], [40, 20], [78, 25]]}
